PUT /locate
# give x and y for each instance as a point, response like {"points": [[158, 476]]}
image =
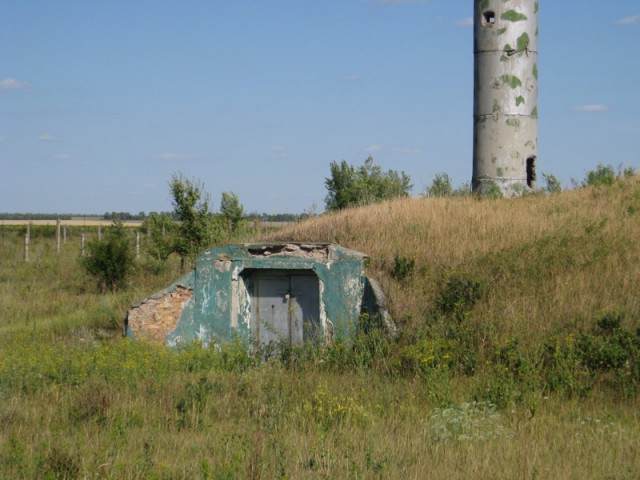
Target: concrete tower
{"points": [[505, 109]]}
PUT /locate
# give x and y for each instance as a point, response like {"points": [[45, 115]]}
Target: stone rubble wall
{"points": [[154, 318]]}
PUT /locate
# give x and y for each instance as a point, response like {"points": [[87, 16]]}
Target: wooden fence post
{"points": [[82, 241], [58, 236], [26, 245]]}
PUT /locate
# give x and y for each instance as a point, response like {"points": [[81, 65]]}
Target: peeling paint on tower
{"points": [[505, 134], [288, 292]]}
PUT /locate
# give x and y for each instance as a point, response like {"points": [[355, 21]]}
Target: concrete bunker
{"points": [[276, 292]]}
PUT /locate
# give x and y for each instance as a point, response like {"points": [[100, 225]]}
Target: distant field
{"points": [[75, 222], [93, 222]]}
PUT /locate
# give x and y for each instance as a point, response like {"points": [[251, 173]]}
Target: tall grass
{"points": [[548, 262], [516, 357]]}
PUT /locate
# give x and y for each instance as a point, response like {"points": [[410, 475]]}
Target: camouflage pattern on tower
{"points": [[505, 113]]}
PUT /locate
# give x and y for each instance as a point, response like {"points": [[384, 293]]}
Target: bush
{"points": [[552, 184], [403, 267], [367, 184], [602, 175], [440, 186], [459, 295], [161, 230], [611, 353], [111, 260]]}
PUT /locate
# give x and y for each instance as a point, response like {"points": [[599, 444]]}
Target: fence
{"points": [[78, 232], [63, 234]]}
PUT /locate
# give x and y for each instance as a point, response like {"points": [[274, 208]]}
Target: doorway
{"points": [[285, 306]]}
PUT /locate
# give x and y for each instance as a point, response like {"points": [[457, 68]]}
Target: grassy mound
{"points": [[517, 356]]}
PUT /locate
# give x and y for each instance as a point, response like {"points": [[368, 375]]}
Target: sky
{"points": [[101, 101]]}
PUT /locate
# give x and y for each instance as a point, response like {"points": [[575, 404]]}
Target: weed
{"points": [[467, 422], [459, 295], [403, 267], [60, 464]]}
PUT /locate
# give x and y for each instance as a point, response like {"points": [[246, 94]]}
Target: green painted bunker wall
{"points": [[219, 309]]}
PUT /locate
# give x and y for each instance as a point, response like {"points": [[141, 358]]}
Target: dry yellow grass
{"points": [[547, 261]]}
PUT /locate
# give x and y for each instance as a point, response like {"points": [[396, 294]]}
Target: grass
{"points": [[515, 357]]}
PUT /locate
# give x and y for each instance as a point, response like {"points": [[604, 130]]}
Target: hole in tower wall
{"points": [[531, 172], [489, 18]]}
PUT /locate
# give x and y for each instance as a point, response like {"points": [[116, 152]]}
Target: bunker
{"points": [[277, 292]]}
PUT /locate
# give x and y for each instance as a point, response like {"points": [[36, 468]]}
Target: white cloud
{"points": [[409, 151], [404, 150], [47, 138], [633, 20], [373, 148], [465, 22], [12, 84], [278, 151], [591, 108], [175, 157]]}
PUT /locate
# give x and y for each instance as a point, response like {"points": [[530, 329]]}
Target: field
{"points": [[517, 356], [74, 222]]}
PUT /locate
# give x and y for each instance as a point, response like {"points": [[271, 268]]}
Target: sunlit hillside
{"points": [[546, 263]]}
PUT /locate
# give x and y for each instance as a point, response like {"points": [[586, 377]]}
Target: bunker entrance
{"points": [[285, 306]]}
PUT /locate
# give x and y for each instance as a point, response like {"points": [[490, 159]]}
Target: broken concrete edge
{"points": [[374, 303], [317, 251], [186, 281]]}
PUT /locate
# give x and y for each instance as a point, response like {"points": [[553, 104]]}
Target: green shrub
{"points": [[349, 186], [440, 186], [552, 184], [111, 260], [602, 175], [459, 295], [612, 354], [403, 267]]}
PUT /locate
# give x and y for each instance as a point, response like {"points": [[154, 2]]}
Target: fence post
{"points": [[64, 233], [58, 236], [137, 244], [26, 244], [99, 233], [82, 241]]}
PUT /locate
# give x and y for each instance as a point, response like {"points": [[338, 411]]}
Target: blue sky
{"points": [[102, 100]]}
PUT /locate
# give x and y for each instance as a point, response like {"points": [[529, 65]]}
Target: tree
{"points": [[440, 186], [111, 260], [367, 184], [552, 184], [231, 209], [191, 207], [161, 228]]}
